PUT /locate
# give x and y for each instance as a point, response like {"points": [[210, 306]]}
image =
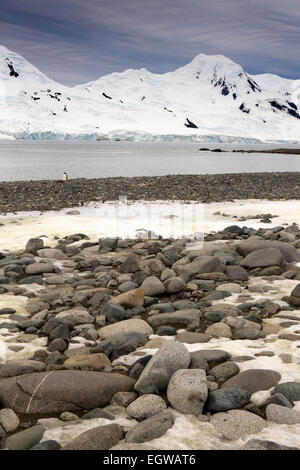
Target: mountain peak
{"points": [[212, 92], [211, 62], [214, 58]]}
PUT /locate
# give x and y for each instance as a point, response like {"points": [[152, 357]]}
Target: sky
{"points": [[76, 41]]}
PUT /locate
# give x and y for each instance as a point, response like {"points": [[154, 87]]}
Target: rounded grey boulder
{"points": [[211, 356], [174, 284], [25, 439], [159, 370], [34, 244], [263, 258], [61, 390], [151, 428], [187, 391], [39, 268], [291, 390], [9, 420], [153, 286], [130, 265], [237, 424], [282, 414], [260, 444], [289, 251], [23, 366], [254, 380], [146, 406], [227, 399], [99, 438], [224, 371]]}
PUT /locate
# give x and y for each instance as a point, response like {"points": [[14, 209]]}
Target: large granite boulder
{"points": [[187, 391], [237, 424], [263, 258], [62, 390], [289, 252]]}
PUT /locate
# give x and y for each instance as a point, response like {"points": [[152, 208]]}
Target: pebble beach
{"points": [[54, 194], [123, 343]]}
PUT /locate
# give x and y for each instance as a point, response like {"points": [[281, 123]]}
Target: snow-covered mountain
{"points": [[210, 97]]}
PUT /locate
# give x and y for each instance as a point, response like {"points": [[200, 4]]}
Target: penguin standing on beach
{"points": [[65, 177]]}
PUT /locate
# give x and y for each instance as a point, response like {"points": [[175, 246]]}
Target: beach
{"points": [[82, 302], [50, 195]]}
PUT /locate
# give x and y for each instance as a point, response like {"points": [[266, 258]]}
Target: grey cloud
{"points": [[74, 41]]}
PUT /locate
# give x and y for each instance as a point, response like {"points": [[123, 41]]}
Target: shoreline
{"points": [[165, 218], [45, 195]]}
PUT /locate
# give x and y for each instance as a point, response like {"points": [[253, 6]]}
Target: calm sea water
{"points": [[37, 160]]}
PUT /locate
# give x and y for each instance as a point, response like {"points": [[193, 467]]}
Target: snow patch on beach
{"points": [[17, 302], [126, 220]]}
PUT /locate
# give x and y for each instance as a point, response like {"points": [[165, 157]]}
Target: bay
{"points": [[41, 160]]}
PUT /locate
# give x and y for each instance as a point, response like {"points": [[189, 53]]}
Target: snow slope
{"points": [[210, 96]]}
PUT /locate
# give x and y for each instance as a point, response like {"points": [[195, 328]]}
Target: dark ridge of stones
{"points": [[52, 195]]}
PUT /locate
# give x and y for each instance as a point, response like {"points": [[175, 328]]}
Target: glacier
{"points": [[210, 99]]}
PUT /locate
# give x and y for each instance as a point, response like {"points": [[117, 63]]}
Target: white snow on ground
{"points": [[7, 338], [166, 218], [212, 92]]}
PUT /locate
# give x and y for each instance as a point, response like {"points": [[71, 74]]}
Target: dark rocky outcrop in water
{"points": [[284, 151]]}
